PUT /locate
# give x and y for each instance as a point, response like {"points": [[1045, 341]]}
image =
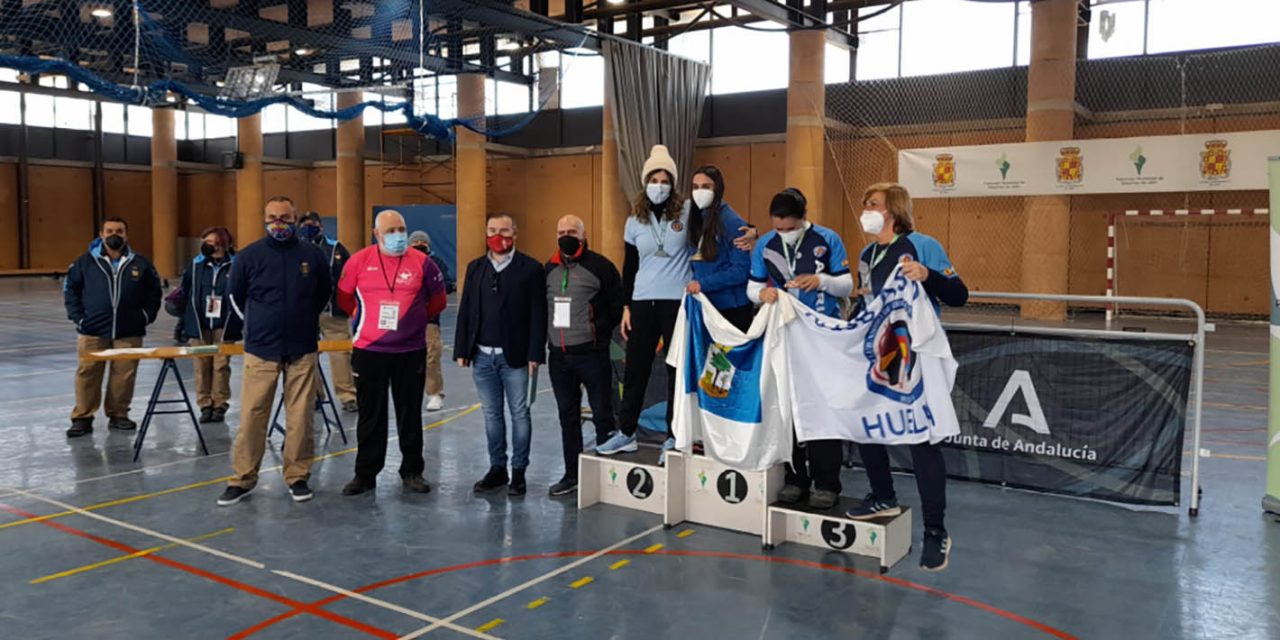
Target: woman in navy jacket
{"points": [[720, 269], [207, 319]]}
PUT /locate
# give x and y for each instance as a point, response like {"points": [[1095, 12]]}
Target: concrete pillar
{"points": [[352, 230], [249, 198], [806, 108], [164, 192], [471, 173], [614, 208], [1051, 91]]}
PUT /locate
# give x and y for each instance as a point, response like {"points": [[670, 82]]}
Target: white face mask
{"points": [[792, 236], [703, 197], [872, 222], [658, 193]]}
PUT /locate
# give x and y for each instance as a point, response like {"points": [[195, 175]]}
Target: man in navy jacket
{"points": [[278, 287], [111, 294]]}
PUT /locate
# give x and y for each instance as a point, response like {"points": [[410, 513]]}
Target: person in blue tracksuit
{"points": [[887, 217], [720, 268], [334, 323], [111, 294], [207, 319]]}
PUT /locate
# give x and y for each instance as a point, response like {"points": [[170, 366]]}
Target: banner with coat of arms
{"points": [[1194, 162]]}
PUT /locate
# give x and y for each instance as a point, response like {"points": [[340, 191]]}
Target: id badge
{"points": [[389, 316], [560, 312], [213, 307]]}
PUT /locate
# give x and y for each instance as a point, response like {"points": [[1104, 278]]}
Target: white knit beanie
{"points": [[659, 158]]}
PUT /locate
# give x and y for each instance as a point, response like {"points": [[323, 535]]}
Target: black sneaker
{"points": [[791, 494], [300, 492], [232, 495], [357, 487], [937, 550], [823, 500], [219, 415], [80, 427], [872, 507], [497, 477], [121, 424], [517, 487], [565, 487], [416, 483], [206, 414]]}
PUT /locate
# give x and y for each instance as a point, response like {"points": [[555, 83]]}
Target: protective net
{"points": [[236, 57], [1201, 258]]}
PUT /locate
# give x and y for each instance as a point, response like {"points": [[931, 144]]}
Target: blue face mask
{"points": [[395, 243], [309, 232], [281, 231]]}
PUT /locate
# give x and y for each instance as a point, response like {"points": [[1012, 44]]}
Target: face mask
{"points": [[872, 222], [703, 197], [207, 250], [395, 243], [114, 243], [658, 193], [792, 236], [281, 231], [569, 246], [500, 244], [423, 250], [309, 232]]}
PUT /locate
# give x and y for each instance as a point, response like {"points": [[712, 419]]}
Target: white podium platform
{"points": [[888, 538], [721, 496], [634, 481]]}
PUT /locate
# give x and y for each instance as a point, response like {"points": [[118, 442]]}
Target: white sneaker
{"points": [[435, 403]]}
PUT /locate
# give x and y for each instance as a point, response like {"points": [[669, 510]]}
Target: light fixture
{"points": [[101, 12], [302, 51], [617, 1]]}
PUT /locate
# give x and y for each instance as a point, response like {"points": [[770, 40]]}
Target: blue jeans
{"points": [[494, 379]]}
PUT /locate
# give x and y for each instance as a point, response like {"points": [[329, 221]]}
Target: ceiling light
{"points": [[101, 12], [302, 51], [617, 1]]}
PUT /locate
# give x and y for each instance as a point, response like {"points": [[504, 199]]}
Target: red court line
{"points": [[299, 607], [1008, 615]]}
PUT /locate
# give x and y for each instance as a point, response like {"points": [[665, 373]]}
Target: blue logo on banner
{"points": [[891, 364], [726, 379]]}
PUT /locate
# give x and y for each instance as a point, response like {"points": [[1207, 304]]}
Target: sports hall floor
{"points": [[389, 565]]}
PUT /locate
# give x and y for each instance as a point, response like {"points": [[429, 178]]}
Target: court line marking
{"points": [[490, 625], [118, 559], [205, 483], [300, 607], [619, 564], [1229, 456], [531, 583], [537, 603], [581, 582], [686, 533]]}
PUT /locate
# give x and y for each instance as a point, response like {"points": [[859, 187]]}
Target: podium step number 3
{"points": [[888, 538]]}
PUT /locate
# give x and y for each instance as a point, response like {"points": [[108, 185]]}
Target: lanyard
{"points": [[793, 255], [877, 259], [564, 280], [660, 238], [389, 281]]}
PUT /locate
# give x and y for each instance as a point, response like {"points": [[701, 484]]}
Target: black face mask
{"points": [[114, 243], [569, 246], [207, 250], [422, 249]]}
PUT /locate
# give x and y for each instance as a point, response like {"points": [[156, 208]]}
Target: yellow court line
{"points": [[685, 534], [619, 564], [537, 603], [197, 485], [490, 625], [581, 582], [654, 548], [119, 559]]}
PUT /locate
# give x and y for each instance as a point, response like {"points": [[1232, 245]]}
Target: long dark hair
{"points": [[704, 226], [670, 209]]}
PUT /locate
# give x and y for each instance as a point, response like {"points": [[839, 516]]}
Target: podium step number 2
{"points": [[634, 481]]}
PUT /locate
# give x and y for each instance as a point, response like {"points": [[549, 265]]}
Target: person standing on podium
{"points": [[391, 293], [584, 305]]}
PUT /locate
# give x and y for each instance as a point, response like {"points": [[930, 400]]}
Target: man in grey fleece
{"points": [[584, 305]]}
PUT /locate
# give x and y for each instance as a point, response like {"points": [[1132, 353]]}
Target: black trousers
{"points": [[651, 320], [740, 317], [816, 462], [406, 375], [931, 477], [569, 374]]}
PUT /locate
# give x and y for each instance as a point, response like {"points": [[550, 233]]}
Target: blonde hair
{"points": [[897, 202]]}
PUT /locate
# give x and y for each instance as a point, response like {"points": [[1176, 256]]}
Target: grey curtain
{"points": [[657, 99]]}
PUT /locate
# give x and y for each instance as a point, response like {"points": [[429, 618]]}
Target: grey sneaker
{"points": [[791, 494], [820, 499]]}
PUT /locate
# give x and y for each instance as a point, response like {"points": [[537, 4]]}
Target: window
{"points": [[112, 117], [878, 44], [447, 90], [1117, 28], [512, 98], [323, 101], [8, 75], [180, 126], [195, 125], [275, 119], [1023, 57], [139, 121], [10, 107], [947, 36], [40, 110], [581, 81], [695, 45], [1181, 25], [219, 126], [836, 64], [744, 60]]}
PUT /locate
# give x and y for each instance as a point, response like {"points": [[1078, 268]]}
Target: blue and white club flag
{"points": [[728, 391], [883, 377]]}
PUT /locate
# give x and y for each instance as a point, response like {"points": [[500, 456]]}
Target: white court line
{"points": [[385, 605], [143, 530], [536, 581]]}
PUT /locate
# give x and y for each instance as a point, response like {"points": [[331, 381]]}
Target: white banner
{"points": [[1193, 162]]}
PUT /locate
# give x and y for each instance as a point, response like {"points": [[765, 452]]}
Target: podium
{"points": [[721, 496], [887, 538], [634, 481]]}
